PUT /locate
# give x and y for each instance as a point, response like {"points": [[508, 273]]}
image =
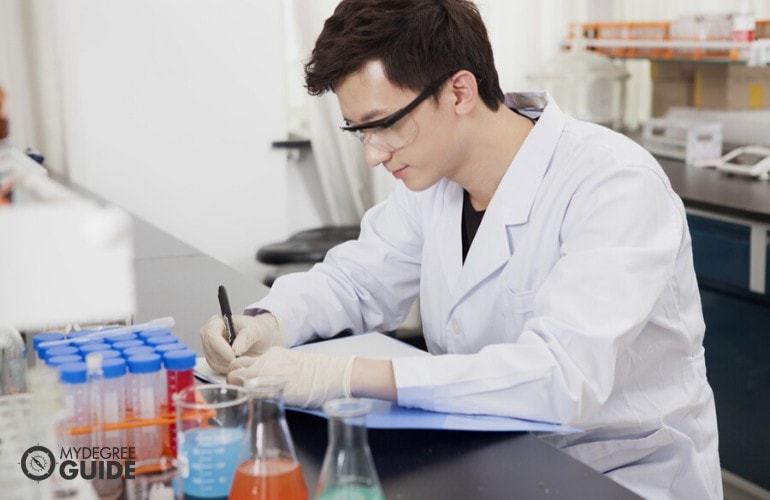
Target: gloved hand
{"points": [[253, 336], [312, 379]]}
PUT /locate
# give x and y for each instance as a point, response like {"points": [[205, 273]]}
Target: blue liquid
{"points": [[213, 455]]}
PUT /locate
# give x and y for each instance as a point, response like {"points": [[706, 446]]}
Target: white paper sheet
{"points": [[387, 415]]}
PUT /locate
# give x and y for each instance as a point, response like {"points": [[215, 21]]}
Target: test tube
{"points": [[110, 353], [179, 375], [73, 377], [113, 396], [144, 381], [74, 334], [90, 347]]}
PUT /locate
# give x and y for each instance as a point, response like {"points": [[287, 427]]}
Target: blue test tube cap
{"points": [[146, 334], [121, 338], [59, 350], [125, 344], [144, 363], [135, 351], [92, 347], [161, 340], [46, 337], [174, 346], [113, 367], [76, 334], [179, 360], [111, 353], [60, 360], [73, 373]]}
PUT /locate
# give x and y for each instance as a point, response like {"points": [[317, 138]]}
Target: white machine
{"points": [[753, 161]]}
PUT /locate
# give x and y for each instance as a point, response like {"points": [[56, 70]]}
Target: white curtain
{"points": [[347, 184], [31, 73]]}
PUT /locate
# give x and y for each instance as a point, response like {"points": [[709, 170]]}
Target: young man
{"points": [[551, 257]]}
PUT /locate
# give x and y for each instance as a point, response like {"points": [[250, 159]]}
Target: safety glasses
{"points": [[397, 130]]}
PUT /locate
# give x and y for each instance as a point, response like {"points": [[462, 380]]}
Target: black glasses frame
{"points": [[391, 120]]}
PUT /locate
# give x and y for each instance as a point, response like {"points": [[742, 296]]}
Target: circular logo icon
{"points": [[38, 463]]}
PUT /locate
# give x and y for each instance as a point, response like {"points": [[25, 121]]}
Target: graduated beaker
{"points": [[272, 472], [211, 423], [348, 471]]}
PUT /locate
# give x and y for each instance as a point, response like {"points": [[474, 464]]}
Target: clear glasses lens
{"points": [[389, 139]]}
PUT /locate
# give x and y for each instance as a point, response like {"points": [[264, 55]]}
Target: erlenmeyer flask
{"points": [[348, 471], [272, 472]]}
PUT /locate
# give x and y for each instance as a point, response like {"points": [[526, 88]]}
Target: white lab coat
{"points": [[577, 304]]}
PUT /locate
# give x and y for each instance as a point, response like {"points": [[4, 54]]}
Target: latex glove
{"points": [[312, 379], [254, 335]]}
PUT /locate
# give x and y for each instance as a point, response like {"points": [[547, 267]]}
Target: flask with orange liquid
{"points": [[272, 472]]}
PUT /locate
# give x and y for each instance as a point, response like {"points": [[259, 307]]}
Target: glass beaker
{"points": [[272, 472], [211, 423], [348, 471]]}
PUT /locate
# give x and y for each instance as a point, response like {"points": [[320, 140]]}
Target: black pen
{"points": [[227, 314]]}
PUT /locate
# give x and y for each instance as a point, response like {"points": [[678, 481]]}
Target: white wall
{"points": [[172, 106]]}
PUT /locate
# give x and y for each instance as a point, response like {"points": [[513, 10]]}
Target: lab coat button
{"points": [[456, 327]]}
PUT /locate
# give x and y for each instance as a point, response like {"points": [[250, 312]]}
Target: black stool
{"points": [[303, 248]]}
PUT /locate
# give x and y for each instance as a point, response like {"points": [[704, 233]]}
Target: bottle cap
{"points": [[141, 349], [174, 346], [113, 367], [179, 360], [160, 340], [153, 333], [59, 350], [125, 344], [60, 360], [72, 373], [93, 346], [121, 338], [74, 334], [144, 363], [110, 353]]}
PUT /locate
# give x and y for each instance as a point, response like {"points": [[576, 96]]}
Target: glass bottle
{"points": [[348, 471], [272, 472]]}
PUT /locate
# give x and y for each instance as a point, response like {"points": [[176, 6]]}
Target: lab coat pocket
{"points": [[518, 308]]}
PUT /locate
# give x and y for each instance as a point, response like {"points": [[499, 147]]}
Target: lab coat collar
{"points": [[514, 197]]}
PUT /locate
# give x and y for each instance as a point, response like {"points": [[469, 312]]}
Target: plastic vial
{"points": [[179, 375], [272, 472], [76, 399], [348, 468], [143, 384]]}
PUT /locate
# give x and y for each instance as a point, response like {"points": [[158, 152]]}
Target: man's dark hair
{"points": [[417, 41]]}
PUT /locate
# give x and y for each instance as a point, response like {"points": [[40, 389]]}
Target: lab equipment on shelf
{"points": [[696, 143]]}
